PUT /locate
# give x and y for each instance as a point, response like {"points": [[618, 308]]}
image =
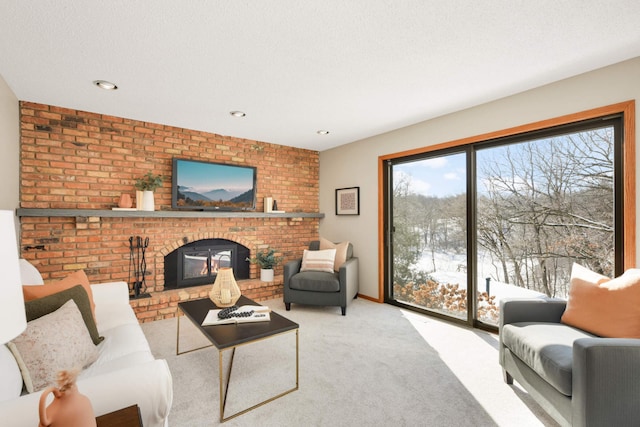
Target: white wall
{"points": [[9, 147], [356, 164]]}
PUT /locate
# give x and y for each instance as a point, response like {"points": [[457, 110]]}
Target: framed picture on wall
{"points": [[348, 201]]}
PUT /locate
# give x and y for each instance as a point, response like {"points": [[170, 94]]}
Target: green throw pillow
{"points": [[45, 305]]}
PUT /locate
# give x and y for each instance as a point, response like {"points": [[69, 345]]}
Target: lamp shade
{"points": [[12, 315]]}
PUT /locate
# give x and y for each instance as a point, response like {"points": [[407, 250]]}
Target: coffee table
{"points": [[229, 337]]}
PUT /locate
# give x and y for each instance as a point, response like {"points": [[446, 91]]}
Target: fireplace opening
{"points": [[197, 263]]}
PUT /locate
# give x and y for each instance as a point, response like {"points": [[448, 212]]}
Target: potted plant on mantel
{"points": [[145, 187], [267, 260]]}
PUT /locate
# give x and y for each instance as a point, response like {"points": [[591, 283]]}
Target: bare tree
{"points": [[406, 235], [538, 213]]}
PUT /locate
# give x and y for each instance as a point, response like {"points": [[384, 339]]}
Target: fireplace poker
{"points": [[132, 263], [139, 277], [137, 252], [143, 264]]}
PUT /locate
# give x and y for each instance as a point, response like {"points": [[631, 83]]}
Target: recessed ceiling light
{"points": [[323, 132], [237, 114], [103, 84]]}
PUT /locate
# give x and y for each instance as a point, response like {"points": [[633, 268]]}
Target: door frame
{"points": [[627, 109]]}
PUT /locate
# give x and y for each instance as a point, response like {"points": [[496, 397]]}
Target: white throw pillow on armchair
{"points": [[321, 260]]}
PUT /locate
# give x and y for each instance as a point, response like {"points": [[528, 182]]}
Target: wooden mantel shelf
{"points": [[157, 214]]}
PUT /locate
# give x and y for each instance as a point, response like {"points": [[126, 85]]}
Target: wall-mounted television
{"points": [[200, 185]]}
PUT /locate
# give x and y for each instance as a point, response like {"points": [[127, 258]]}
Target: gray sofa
{"points": [[321, 288], [578, 378]]}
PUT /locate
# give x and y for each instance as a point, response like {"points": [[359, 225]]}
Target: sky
{"points": [[445, 175], [203, 177], [436, 177]]}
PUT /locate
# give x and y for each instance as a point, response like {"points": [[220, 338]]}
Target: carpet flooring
{"points": [[377, 366]]}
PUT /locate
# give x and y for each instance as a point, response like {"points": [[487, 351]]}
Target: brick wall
{"points": [[79, 160]]}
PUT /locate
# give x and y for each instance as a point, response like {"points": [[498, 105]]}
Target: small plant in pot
{"points": [[267, 260], [145, 187]]}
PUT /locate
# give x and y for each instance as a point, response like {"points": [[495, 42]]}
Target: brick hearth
{"points": [[164, 305], [76, 160]]}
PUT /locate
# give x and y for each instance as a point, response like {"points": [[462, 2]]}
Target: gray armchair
{"points": [[321, 288]]}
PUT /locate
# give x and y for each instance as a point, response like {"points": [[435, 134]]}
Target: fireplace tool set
{"points": [[137, 250]]}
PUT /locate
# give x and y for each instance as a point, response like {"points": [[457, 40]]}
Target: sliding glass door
{"points": [[543, 204], [429, 233], [469, 226]]}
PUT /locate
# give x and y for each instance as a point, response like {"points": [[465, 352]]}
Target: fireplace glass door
{"points": [[220, 259], [197, 263], [202, 264]]}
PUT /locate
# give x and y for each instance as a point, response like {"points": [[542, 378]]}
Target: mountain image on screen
{"points": [[203, 185], [221, 194], [220, 198]]}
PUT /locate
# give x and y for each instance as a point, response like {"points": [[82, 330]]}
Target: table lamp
{"points": [[225, 291], [12, 315]]}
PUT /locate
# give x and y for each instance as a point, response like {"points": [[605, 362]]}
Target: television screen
{"points": [[201, 185]]}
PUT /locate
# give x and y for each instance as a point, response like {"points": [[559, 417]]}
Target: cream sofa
{"points": [[126, 373]]}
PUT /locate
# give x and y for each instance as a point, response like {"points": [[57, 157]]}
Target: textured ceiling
{"points": [[356, 68]]}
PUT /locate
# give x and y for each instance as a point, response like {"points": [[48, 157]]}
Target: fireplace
{"points": [[197, 263]]}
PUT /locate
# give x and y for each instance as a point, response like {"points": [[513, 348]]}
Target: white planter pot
{"points": [[148, 201], [266, 275]]}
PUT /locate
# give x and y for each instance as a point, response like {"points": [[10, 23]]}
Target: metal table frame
{"points": [[224, 385]]}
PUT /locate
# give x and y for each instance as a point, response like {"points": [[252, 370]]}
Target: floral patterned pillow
{"points": [[53, 342]]}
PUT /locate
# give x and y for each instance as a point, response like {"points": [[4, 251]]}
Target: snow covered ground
{"points": [[451, 268]]}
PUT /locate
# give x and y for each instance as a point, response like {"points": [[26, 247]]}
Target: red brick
{"points": [[88, 168]]}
